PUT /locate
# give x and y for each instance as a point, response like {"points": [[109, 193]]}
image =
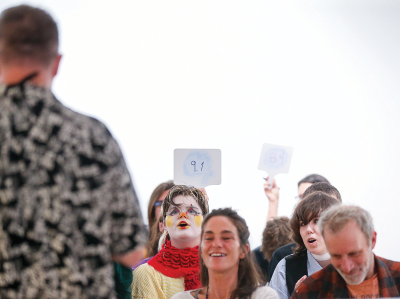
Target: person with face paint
{"points": [[175, 267]]}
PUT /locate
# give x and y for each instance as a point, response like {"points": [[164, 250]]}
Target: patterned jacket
{"points": [[67, 203], [327, 283]]}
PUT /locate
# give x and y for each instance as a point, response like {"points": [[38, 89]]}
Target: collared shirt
{"points": [[278, 280], [67, 203], [328, 283]]}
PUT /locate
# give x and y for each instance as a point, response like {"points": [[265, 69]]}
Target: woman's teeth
{"points": [[217, 254]]}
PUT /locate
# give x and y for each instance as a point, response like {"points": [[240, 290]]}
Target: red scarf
{"points": [[175, 263]]}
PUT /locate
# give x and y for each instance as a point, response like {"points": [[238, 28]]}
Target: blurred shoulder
{"points": [[264, 292], [183, 295]]}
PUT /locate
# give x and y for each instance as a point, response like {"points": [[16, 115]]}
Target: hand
{"points": [[273, 194], [300, 281]]}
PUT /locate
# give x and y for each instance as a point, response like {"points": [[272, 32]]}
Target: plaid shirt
{"points": [[327, 283]]}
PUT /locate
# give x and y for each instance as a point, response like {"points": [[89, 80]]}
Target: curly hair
{"points": [[276, 234]]}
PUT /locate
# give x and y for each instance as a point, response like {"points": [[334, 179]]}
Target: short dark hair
{"points": [[276, 234], [313, 178], [307, 209], [248, 276], [29, 33], [323, 187]]}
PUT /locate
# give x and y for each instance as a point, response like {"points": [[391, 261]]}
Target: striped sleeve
{"points": [[148, 283]]}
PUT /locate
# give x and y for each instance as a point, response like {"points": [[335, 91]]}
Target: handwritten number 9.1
{"points": [[194, 166]]}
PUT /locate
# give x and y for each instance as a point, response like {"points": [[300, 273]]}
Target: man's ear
{"points": [[373, 240], [56, 64], [244, 250]]}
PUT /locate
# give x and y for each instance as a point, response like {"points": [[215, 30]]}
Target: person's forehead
{"points": [[351, 237], [220, 224], [186, 201]]}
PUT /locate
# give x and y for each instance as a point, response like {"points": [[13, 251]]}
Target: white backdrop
{"points": [[322, 76]]}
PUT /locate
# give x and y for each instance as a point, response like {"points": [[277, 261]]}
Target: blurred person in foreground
{"points": [[310, 253], [226, 263], [68, 207], [175, 267], [355, 272]]}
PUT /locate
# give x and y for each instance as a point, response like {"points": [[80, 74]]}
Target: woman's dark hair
{"points": [[248, 276], [323, 187], [307, 209], [276, 234], [313, 178], [155, 234], [154, 198]]}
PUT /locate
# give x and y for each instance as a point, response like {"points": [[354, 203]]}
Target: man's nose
{"points": [[183, 215], [347, 265]]}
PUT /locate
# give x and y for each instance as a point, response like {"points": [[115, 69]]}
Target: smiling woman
{"points": [[227, 266], [176, 266]]}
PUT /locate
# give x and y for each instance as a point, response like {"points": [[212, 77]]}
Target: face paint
{"points": [[183, 227], [169, 221], [198, 219]]}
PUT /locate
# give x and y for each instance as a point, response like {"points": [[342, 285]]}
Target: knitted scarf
{"points": [[175, 263]]}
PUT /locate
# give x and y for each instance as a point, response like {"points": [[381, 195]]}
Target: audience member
{"points": [[273, 193], [153, 214], [175, 267], [276, 234], [355, 272], [227, 266], [155, 202], [286, 250], [310, 253], [68, 206]]}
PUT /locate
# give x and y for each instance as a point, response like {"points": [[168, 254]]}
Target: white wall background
{"points": [[322, 76]]}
